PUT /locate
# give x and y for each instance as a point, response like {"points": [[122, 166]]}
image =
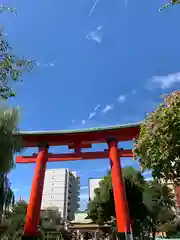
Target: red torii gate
{"points": [[77, 140]]}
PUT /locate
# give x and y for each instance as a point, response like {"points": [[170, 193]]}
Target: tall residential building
{"points": [[61, 190], [93, 184]]}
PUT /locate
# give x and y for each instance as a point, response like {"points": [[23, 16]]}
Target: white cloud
{"points": [[121, 98], [107, 108], [40, 64], [164, 82], [83, 122], [84, 196], [51, 64], [84, 187], [97, 107], [15, 190], [91, 115], [95, 35]]}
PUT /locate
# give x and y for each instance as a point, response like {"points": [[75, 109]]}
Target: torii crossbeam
{"points": [[77, 140]]}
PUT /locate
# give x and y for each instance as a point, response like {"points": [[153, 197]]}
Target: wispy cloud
{"points": [[91, 115], [94, 112], [107, 108], [163, 82], [93, 7], [121, 98], [95, 35], [97, 107], [84, 187], [84, 196], [83, 122], [15, 190], [40, 64]]}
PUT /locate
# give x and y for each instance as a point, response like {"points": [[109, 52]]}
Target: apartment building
{"points": [[61, 190]]}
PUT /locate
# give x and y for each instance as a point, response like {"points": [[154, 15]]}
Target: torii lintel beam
{"points": [[125, 132], [74, 156]]}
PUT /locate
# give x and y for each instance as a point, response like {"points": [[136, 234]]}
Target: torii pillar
{"points": [[121, 205], [34, 206]]}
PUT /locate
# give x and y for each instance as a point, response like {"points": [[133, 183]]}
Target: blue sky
{"points": [[95, 66]]}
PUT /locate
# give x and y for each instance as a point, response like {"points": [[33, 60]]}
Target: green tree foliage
{"points": [[102, 209], [11, 66], [148, 202], [6, 195], [170, 3], [160, 204], [158, 144], [50, 218], [50, 221], [9, 144], [16, 217]]}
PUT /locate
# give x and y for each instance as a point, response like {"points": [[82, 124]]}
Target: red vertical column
{"points": [[121, 205], [34, 206]]}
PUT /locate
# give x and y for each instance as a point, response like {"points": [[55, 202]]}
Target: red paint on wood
{"points": [[33, 211], [74, 156], [58, 139], [121, 205]]}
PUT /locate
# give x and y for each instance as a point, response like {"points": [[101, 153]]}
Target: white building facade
{"points": [[61, 190], [93, 184]]}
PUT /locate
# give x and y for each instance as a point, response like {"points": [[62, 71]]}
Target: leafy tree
{"points": [[9, 143], [101, 209], [170, 3], [16, 217], [6, 195], [50, 218], [158, 144], [11, 66], [160, 205], [150, 204]]}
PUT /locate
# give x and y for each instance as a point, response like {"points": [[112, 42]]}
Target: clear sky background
{"points": [[94, 68]]}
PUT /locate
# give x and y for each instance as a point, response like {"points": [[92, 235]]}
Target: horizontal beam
{"points": [[73, 156], [88, 136], [81, 145]]}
